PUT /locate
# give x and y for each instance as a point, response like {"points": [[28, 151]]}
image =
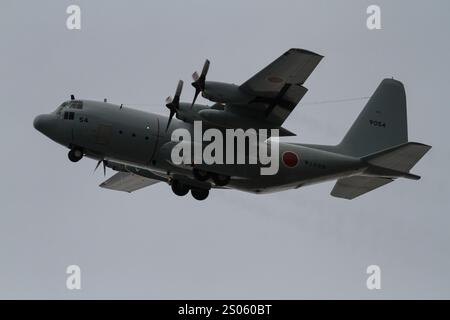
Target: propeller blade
{"points": [[199, 81], [98, 164], [197, 92], [172, 113], [205, 68], [179, 88], [174, 104], [104, 166]]}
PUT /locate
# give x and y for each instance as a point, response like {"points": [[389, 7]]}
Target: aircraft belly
{"points": [[278, 184]]}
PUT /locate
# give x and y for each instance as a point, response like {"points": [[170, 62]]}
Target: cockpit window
{"points": [[72, 104], [69, 115], [76, 104], [59, 110]]}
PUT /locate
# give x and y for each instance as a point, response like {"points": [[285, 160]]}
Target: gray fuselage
{"points": [[127, 137]]}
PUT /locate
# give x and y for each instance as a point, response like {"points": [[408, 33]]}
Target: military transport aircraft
{"points": [[138, 144]]}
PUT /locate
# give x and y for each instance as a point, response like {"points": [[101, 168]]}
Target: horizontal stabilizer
{"points": [[400, 158], [353, 187]]}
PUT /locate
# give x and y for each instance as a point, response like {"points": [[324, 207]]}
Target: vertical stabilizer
{"points": [[381, 125]]}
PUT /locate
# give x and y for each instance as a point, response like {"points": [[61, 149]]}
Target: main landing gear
{"points": [[182, 189], [218, 179], [75, 154], [179, 188], [199, 194]]}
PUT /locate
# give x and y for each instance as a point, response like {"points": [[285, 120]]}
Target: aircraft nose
{"points": [[42, 123]]}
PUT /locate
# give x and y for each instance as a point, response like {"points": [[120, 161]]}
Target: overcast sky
{"points": [[152, 244]]}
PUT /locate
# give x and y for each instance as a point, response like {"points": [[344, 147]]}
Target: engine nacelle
{"points": [[225, 93]]}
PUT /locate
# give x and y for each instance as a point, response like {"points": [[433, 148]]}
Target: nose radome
{"points": [[37, 123], [42, 122]]}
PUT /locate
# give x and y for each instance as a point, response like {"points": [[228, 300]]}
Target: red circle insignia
{"points": [[290, 159]]}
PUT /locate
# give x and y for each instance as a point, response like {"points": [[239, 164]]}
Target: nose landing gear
{"points": [[75, 154]]}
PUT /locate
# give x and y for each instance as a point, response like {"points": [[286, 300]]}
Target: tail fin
{"points": [[381, 125]]}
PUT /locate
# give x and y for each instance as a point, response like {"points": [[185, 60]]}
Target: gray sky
{"points": [[151, 244]]}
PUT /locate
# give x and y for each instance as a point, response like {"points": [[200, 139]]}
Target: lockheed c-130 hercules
{"points": [[137, 144]]}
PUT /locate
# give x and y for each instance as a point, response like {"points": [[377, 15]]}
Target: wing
{"points": [[278, 88], [353, 187], [128, 182]]}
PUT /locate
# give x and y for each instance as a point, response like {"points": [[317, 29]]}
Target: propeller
{"points": [[199, 80], [104, 166], [173, 104]]}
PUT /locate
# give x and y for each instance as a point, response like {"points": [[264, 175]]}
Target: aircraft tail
{"points": [[379, 136], [382, 168], [382, 123]]}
